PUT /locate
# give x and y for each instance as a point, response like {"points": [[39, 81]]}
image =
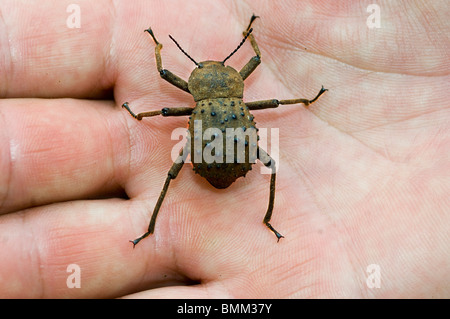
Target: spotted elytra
{"points": [[218, 91]]}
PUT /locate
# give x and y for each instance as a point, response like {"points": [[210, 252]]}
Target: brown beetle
{"points": [[218, 91]]}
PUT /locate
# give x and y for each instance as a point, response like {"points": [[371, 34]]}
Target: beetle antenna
{"points": [[183, 50], [240, 44]]}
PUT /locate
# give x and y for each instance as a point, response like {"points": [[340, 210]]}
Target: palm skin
{"points": [[363, 173]]}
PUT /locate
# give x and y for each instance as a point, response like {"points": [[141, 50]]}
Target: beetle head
{"points": [[212, 79]]}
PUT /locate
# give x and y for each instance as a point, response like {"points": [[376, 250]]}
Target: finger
{"points": [[55, 150], [46, 56], [53, 249]]}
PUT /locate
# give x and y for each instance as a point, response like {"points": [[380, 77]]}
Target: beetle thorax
{"points": [[212, 79]]}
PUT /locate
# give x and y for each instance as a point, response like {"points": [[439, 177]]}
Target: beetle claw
{"points": [[137, 240], [134, 242], [279, 236]]}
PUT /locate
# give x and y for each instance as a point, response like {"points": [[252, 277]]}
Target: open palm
{"points": [[363, 179]]}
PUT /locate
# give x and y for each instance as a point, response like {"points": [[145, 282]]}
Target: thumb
{"points": [[200, 291]]}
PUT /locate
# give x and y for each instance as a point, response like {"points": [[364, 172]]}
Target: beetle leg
{"points": [[266, 104], [255, 60], [173, 172], [166, 74], [269, 162], [173, 111]]}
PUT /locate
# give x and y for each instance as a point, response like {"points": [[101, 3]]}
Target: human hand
{"points": [[363, 173]]}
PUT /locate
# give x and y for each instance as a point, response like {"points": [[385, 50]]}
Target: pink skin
{"points": [[363, 177]]}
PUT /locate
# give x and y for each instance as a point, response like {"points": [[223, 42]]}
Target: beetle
{"points": [[218, 92]]}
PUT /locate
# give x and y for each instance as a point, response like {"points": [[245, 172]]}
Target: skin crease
{"points": [[363, 173]]}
